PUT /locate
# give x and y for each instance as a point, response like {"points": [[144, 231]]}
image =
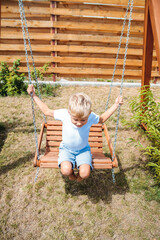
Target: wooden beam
{"points": [[148, 48], [0, 21], [109, 142], [154, 8], [36, 161]]}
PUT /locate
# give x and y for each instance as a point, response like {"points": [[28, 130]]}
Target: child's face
{"points": [[78, 122]]}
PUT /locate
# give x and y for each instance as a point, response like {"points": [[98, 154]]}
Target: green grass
{"points": [[54, 207]]}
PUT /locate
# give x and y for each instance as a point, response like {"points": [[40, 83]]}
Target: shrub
{"points": [[49, 90], [39, 73], [11, 81], [45, 89], [149, 114]]}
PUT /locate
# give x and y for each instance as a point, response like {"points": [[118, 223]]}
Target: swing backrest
{"points": [[54, 137]]}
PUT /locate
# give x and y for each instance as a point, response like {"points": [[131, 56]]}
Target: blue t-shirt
{"points": [[74, 138]]}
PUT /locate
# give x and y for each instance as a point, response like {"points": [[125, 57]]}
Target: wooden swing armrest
{"points": [[39, 144], [115, 162]]}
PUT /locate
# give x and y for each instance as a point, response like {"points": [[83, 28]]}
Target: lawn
{"points": [[54, 207]]}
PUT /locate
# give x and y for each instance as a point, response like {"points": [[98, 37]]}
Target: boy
{"points": [[76, 123]]}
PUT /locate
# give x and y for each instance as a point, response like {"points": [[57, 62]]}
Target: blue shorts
{"points": [[77, 158]]}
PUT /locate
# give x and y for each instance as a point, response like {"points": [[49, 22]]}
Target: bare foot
{"points": [[79, 179], [72, 177]]}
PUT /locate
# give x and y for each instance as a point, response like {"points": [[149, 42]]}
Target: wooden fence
{"points": [[78, 38]]}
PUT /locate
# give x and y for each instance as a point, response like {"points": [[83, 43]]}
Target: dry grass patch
{"points": [[54, 207]]}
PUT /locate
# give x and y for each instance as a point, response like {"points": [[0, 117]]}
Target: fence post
{"points": [[53, 18]]}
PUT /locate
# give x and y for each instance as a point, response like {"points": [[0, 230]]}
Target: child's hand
{"points": [[119, 100], [31, 89]]}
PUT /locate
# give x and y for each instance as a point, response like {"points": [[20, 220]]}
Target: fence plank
{"points": [[99, 27], [87, 26], [76, 60], [136, 41], [30, 23], [98, 74], [45, 12], [90, 71], [99, 71], [137, 3], [64, 48], [95, 13]]}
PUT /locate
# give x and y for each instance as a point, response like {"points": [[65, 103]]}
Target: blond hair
{"points": [[79, 105]]}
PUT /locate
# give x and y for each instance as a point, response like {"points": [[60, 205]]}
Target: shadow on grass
{"points": [[19, 162], [99, 186], [5, 128], [3, 135]]}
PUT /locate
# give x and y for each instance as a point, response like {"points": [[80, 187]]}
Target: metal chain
{"points": [[122, 80], [30, 80], [29, 76], [31, 53], [117, 55]]}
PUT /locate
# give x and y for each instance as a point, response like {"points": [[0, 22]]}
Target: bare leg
{"points": [[84, 172], [66, 170]]}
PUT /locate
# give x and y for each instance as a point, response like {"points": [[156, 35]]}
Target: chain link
{"points": [[29, 76], [30, 48], [122, 80], [23, 18], [117, 55]]}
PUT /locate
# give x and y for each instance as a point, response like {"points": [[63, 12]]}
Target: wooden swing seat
{"points": [[54, 138]]}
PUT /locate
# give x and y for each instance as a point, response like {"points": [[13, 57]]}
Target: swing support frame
{"points": [[151, 36]]}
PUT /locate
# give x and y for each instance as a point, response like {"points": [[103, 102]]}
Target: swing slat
{"points": [[54, 138], [99, 161], [49, 165], [59, 133], [59, 138], [57, 143], [59, 128], [96, 166], [49, 149]]}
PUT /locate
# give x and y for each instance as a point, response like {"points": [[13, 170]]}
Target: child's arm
{"points": [[43, 107], [104, 116]]}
